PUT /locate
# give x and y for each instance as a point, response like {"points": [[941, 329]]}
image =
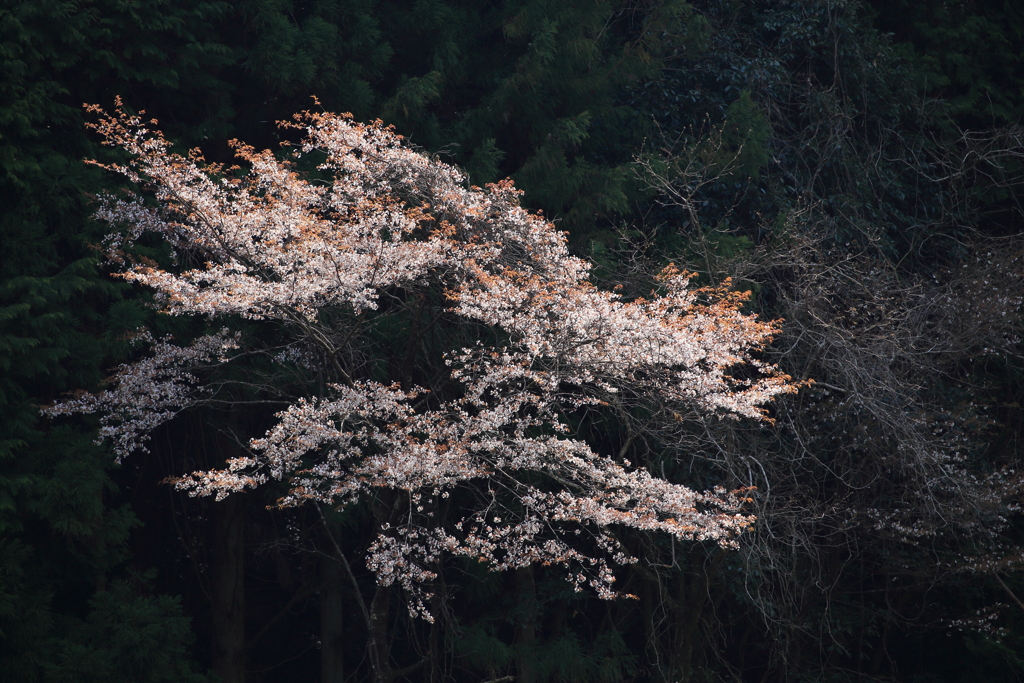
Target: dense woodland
{"points": [[855, 166]]}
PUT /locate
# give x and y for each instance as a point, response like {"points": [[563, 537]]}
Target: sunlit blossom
{"points": [[274, 247]]}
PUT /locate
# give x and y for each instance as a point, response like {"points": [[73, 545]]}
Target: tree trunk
{"points": [[648, 591], [332, 637], [526, 628], [434, 638], [378, 636], [228, 588], [377, 644]]}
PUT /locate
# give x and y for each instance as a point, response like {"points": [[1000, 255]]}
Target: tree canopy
{"points": [[392, 233]]}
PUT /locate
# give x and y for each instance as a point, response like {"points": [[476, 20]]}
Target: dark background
{"points": [[876, 140]]}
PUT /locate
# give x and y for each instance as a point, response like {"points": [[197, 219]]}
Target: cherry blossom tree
{"points": [[314, 264]]}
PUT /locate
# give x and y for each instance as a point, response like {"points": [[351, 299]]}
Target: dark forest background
{"points": [[856, 165]]}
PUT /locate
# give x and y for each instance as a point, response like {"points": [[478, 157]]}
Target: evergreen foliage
{"points": [[966, 53]]}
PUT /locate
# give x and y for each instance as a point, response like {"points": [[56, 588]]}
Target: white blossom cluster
{"points": [[151, 391], [271, 246]]}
